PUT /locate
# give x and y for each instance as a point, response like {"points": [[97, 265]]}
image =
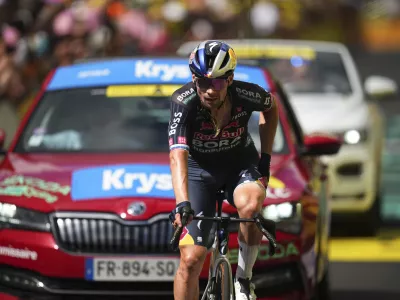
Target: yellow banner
{"points": [[143, 90], [268, 51]]}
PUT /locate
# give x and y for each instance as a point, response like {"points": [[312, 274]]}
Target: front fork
{"points": [[220, 251]]}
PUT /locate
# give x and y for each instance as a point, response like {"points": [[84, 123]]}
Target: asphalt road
{"points": [[366, 268], [364, 295]]}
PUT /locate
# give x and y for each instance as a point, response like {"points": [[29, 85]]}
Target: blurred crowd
{"points": [[38, 35]]}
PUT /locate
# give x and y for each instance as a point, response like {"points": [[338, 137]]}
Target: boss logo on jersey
{"points": [[165, 72], [175, 121], [143, 180], [186, 96], [224, 134], [239, 115]]}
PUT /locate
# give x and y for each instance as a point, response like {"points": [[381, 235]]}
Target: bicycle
{"points": [[220, 286]]}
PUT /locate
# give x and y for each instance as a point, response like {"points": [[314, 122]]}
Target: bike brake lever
{"points": [[267, 227], [174, 242]]}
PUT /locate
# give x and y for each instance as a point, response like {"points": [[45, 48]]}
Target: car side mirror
{"points": [[2, 141], [321, 144], [380, 87]]}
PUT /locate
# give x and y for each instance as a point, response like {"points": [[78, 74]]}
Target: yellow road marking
{"points": [[362, 250]]}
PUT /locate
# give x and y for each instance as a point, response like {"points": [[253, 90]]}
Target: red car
{"points": [[85, 190]]}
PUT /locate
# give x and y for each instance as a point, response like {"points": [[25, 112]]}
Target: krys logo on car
{"points": [[31, 187], [137, 180], [164, 72], [122, 181]]}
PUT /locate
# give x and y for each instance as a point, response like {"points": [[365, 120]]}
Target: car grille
{"points": [[109, 234]]}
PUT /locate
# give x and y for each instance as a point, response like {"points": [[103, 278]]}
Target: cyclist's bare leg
{"points": [[186, 283], [248, 198]]}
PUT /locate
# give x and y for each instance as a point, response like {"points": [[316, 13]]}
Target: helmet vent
{"points": [[225, 61]]}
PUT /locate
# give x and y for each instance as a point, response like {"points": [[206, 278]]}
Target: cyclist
{"points": [[211, 149]]}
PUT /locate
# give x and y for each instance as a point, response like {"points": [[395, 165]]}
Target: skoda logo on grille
{"points": [[136, 208]]}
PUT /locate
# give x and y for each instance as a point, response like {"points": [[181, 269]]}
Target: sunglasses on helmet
{"points": [[217, 83]]}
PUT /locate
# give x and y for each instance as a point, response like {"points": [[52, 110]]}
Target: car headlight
{"points": [[287, 216], [12, 216], [354, 136]]}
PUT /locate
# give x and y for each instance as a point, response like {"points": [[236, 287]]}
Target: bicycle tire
{"points": [[223, 282]]}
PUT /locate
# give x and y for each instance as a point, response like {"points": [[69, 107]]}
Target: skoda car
{"points": [[85, 189], [328, 96]]}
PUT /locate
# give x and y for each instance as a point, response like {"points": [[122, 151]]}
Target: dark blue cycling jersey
{"points": [[191, 127]]}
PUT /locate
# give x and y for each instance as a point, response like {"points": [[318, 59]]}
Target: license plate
{"points": [[131, 269]]}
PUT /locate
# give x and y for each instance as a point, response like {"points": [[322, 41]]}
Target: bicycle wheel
{"points": [[223, 282]]}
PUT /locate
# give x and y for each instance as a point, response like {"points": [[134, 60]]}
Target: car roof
{"points": [[138, 70], [185, 48]]}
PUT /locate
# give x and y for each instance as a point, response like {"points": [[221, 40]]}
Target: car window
{"points": [[297, 132], [323, 73], [87, 120]]}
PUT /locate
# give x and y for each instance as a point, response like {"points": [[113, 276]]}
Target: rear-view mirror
{"points": [[379, 86], [321, 144]]}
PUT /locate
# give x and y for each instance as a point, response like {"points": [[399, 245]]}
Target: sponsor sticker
{"points": [[282, 251], [182, 140], [18, 253], [137, 72], [132, 180], [138, 90], [32, 187], [271, 51]]}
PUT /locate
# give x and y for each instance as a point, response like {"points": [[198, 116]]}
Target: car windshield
{"points": [[87, 120], [323, 73]]}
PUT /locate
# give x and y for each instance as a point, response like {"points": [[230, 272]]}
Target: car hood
{"points": [[109, 183], [329, 113]]}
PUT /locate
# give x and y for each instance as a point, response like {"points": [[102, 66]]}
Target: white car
{"points": [[328, 95]]}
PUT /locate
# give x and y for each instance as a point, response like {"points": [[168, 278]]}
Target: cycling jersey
{"points": [[191, 127], [222, 162]]}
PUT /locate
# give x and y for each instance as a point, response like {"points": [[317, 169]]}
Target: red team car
{"points": [[85, 190]]}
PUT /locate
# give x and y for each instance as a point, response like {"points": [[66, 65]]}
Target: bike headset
{"points": [[212, 59]]}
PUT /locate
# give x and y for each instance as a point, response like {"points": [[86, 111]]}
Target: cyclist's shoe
{"points": [[244, 289]]}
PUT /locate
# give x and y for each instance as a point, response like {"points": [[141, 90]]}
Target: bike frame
{"points": [[220, 249], [219, 254]]}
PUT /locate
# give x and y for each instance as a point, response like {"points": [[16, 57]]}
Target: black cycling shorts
{"points": [[203, 186]]}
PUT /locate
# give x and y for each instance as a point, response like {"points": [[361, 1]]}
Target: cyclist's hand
{"points": [[264, 166], [182, 215]]}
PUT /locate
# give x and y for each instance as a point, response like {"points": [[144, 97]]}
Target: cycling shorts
{"points": [[203, 186]]}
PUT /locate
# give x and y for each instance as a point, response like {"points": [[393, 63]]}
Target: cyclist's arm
{"points": [[268, 123], [179, 150]]}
